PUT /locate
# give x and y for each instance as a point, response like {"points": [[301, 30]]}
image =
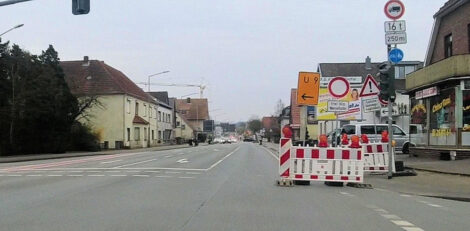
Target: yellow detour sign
{"points": [[307, 90]]}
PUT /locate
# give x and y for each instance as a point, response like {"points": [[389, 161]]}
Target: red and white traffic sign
{"points": [[394, 9], [370, 87], [338, 87]]}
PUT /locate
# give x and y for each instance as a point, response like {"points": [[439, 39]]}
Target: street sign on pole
{"points": [[395, 38], [370, 87], [337, 106], [395, 26], [308, 87], [371, 104], [395, 55], [338, 87], [394, 9]]}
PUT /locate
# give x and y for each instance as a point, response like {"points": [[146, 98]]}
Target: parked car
{"points": [[374, 133]]}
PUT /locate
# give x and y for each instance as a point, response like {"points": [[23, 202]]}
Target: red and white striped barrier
{"points": [[376, 157], [320, 164]]}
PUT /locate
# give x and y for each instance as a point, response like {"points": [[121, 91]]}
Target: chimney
{"points": [[188, 100], [86, 61], [368, 64]]}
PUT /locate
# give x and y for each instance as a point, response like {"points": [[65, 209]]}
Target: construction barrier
{"points": [[376, 157], [320, 164]]}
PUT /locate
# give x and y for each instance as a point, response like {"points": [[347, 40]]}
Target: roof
{"points": [[448, 8], [162, 98], [295, 109], [139, 120], [195, 109], [347, 69], [185, 121], [97, 78]]}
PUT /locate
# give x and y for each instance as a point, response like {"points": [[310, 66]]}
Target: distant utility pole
{"points": [[9, 2]]}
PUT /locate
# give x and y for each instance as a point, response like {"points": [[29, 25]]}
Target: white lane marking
{"points": [[141, 175], [112, 171], [118, 175], [381, 210], [141, 162], [164, 176], [391, 216], [133, 171], [94, 171], [225, 157], [153, 171], [34, 175], [193, 173], [167, 156], [412, 229], [186, 177], [95, 175], [149, 168], [182, 161], [14, 175], [402, 223], [54, 175], [434, 205], [75, 171], [109, 162], [347, 194], [172, 172], [269, 151], [405, 195], [216, 150], [74, 175]]}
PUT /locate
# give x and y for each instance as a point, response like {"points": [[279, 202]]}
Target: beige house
{"points": [[127, 115], [184, 130], [195, 111]]}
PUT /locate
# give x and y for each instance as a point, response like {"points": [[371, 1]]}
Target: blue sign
{"points": [[395, 55]]}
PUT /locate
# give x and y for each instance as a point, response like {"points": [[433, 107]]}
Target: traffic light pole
{"points": [[390, 122]]}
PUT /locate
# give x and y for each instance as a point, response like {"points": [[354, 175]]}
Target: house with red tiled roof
{"points": [[195, 111], [126, 116]]}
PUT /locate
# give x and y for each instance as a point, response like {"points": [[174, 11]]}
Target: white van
{"points": [[374, 133]]}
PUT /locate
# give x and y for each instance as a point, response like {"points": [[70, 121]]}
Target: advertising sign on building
{"points": [[351, 98]]}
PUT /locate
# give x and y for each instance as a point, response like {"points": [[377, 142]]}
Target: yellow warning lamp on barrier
{"points": [[394, 143], [355, 142]]}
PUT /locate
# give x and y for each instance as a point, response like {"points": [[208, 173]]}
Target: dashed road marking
{"points": [[14, 175], [75, 175], [405, 195], [95, 175], [193, 173], [164, 176], [118, 175], [346, 194], [186, 177], [153, 171], [112, 171], [381, 210], [94, 171], [391, 216], [133, 171], [34, 175], [172, 172], [412, 229], [402, 223], [54, 175], [141, 175], [406, 225]]}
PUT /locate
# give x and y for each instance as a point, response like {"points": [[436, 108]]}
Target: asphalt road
{"points": [[216, 187]]}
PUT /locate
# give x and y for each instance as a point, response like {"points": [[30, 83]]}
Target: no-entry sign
{"points": [[338, 87], [394, 9]]}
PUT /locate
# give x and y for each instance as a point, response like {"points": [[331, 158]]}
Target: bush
{"points": [[83, 138]]}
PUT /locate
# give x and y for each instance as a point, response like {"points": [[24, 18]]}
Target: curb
{"points": [[62, 156], [440, 172]]}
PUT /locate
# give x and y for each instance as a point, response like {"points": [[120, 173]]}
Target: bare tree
{"points": [[279, 107]]}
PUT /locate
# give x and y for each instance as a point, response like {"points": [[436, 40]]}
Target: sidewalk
{"points": [[20, 158], [455, 167]]}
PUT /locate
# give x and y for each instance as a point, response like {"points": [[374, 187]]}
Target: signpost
{"points": [[371, 104], [308, 87], [337, 106], [338, 87], [395, 33], [395, 55]]}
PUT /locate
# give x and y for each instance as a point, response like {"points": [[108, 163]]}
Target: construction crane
{"points": [[200, 86]]}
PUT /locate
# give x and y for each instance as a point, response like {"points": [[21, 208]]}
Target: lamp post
{"points": [[15, 27], [156, 107]]}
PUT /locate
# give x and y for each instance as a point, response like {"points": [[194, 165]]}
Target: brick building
{"points": [[440, 92]]}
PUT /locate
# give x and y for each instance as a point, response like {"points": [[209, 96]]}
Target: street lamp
{"points": [[156, 107], [15, 27]]}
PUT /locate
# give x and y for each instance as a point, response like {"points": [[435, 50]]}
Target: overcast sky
{"points": [[248, 52]]}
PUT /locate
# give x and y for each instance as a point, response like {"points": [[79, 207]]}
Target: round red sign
{"points": [[338, 87], [394, 9]]}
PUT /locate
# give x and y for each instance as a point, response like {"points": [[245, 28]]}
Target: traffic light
{"points": [[80, 7], [386, 82]]}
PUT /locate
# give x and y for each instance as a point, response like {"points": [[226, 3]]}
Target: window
{"points": [[128, 106], [150, 111], [402, 71], [159, 135], [136, 108], [177, 123], [183, 126], [448, 46], [137, 133], [145, 109], [380, 129], [145, 133], [349, 130], [468, 37], [153, 137], [156, 112], [397, 131], [163, 116], [367, 129], [128, 134], [159, 116]]}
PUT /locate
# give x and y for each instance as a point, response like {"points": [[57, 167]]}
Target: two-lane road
{"points": [[216, 187]]}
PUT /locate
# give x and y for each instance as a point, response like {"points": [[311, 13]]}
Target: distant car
{"points": [[217, 141], [248, 139]]}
